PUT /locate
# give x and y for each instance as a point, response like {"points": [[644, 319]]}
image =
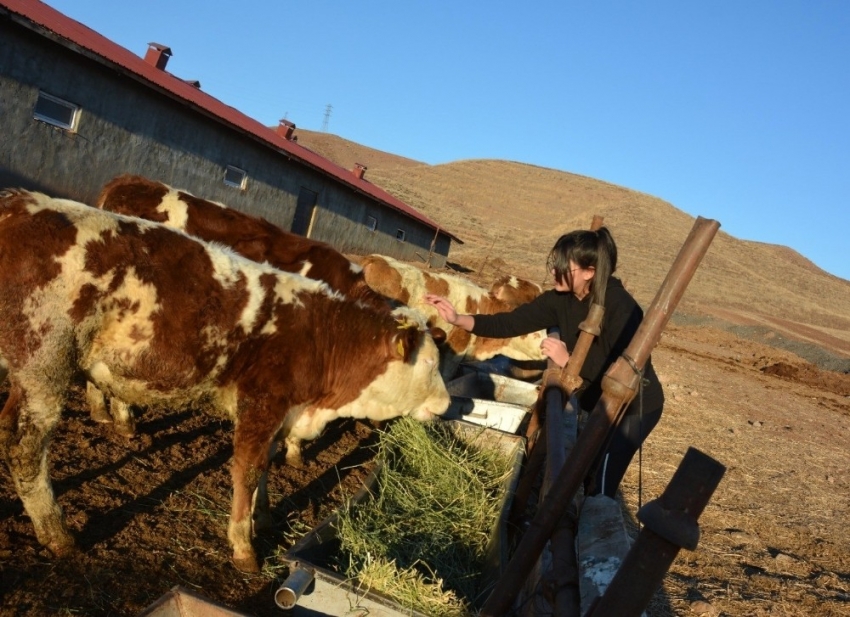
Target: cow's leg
{"points": [[262, 512], [252, 439], [293, 451], [119, 412], [26, 426], [122, 416], [96, 401]]}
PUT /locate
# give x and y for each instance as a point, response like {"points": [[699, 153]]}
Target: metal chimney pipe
{"points": [[157, 55], [285, 129]]}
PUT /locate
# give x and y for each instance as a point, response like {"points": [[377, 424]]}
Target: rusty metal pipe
{"points": [[619, 386], [670, 523]]}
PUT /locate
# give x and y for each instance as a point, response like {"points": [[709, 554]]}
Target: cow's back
{"points": [[250, 236]]}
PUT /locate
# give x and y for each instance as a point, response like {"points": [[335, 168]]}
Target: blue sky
{"points": [[733, 110]]}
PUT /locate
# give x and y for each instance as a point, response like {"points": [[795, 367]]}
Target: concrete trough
{"points": [[313, 589]]}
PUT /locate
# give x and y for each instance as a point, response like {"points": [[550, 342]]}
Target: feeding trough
{"points": [[491, 400], [182, 602], [317, 587]]}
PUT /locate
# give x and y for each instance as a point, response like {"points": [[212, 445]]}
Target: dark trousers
{"points": [[622, 444]]}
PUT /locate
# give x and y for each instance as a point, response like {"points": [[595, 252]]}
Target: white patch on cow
{"points": [[355, 267], [289, 285], [229, 268], [305, 269], [175, 208], [409, 313]]}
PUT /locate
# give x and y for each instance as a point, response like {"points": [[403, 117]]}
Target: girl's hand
{"points": [[444, 307], [556, 350]]}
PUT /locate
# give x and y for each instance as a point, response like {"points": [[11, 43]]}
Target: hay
{"points": [[422, 539]]}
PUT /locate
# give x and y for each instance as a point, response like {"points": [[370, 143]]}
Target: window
{"points": [[371, 223], [235, 177], [399, 235], [55, 111]]}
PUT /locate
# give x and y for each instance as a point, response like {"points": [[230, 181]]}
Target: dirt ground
{"points": [[151, 512]]}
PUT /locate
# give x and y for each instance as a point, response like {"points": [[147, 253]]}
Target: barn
{"points": [[73, 100]]}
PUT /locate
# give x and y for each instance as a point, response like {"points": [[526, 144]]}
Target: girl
{"points": [[582, 263]]}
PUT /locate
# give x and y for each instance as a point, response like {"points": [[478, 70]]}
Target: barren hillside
{"points": [[509, 214]]}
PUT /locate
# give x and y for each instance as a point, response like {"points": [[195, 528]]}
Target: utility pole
{"points": [[327, 118]]}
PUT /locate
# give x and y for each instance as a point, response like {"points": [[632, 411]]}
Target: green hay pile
{"points": [[422, 539]]}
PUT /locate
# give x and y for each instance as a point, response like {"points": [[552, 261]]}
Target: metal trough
{"points": [[330, 594], [490, 400], [180, 602]]}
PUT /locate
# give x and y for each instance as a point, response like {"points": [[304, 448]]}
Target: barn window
{"points": [[55, 111], [235, 177], [371, 223], [399, 235]]}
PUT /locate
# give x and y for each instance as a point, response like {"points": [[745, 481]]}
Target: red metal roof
{"points": [[42, 17]]}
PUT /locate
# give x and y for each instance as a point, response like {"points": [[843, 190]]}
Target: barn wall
{"points": [[126, 126]]}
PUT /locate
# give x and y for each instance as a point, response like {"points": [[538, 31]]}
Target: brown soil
{"points": [[151, 512]]}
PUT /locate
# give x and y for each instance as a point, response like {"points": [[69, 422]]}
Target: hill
{"points": [[509, 215]]}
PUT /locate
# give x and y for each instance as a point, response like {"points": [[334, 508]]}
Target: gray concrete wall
{"points": [[127, 127]]}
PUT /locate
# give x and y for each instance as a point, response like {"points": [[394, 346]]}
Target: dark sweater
{"points": [[564, 311]]}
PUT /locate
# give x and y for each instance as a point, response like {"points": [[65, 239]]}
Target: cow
{"points": [[250, 236], [408, 285], [158, 318], [514, 291]]}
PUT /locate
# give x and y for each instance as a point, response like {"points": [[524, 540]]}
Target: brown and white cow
{"points": [[408, 284], [250, 236], [155, 317], [514, 290]]}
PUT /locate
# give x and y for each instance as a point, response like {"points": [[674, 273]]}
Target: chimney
{"points": [[359, 170], [194, 83], [285, 128], [158, 55]]}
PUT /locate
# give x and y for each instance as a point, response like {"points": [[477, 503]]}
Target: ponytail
{"points": [[606, 263], [587, 249]]}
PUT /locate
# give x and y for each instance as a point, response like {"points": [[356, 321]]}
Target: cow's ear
{"points": [[438, 334], [405, 341]]}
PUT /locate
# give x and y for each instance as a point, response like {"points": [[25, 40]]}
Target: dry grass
{"points": [[422, 539]]}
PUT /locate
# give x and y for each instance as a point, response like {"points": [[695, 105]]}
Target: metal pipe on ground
{"points": [[670, 523], [286, 597], [619, 386]]}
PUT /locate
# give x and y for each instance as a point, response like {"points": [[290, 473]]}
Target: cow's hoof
{"points": [[295, 461], [101, 416], [62, 548], [247, 563], [126, 430]]}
